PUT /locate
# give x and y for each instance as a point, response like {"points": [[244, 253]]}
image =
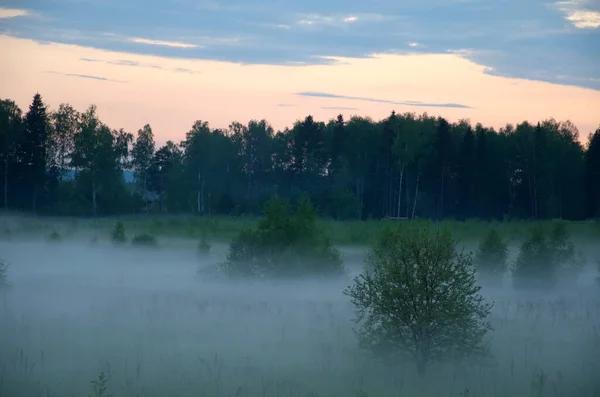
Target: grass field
{"points": [[224, 228], [141, 323]]}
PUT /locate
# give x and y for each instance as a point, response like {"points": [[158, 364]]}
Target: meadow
{"points": [[86, 318]]}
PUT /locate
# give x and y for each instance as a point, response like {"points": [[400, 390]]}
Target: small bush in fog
{"points": [[4, 283], [144, 239], [204, 244], [100, 386], [542, 255], [560, 242], [491, 257], [54, 236], [420, 299], [286, 242], [118, 233]]}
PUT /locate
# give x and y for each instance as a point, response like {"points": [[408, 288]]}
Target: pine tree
{"points": [[33, 149]]}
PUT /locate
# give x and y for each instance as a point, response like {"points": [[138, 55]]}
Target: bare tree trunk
{"points": [[94, 202], [6, 184], [202, 186], [198, 205], [34, 197], [198, 201], [441, 214], [407, 195], [416, 195], [146, 189], [400, 191]]}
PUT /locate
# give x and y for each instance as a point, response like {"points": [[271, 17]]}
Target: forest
{"points": [[66, 162]]}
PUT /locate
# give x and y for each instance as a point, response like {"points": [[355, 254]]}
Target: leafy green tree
{"points": [[197, 162], [491, 258], [466, 172], [256, 153], [66, 122], [421, 299], [165, 177], [11, 130], [99, 155], [142, 153], [592, 175], [287, 242]]}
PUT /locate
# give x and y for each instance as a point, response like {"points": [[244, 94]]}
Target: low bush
{"points": [[542, 256], [286, 242], [54, 237], [204, 245], [491, 258], [144, 239], [118, 233], [4, 283]]}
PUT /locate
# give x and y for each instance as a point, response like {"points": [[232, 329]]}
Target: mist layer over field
{"points": [[145, 319]]}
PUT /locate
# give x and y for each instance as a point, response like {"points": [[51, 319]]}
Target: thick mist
{"points": [[154, 327]]}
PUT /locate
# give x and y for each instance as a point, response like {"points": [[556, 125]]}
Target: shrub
{"points": [[144, 239], [118, 233], [286, 242], [542, 255], [204, 245], [54, 236], [491, 258], [421, 299], [4, 283]]}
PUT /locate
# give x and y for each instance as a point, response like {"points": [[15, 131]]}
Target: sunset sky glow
{"points": [[139, 62]]}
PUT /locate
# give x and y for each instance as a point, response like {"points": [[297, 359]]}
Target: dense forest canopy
{"points": [[64, 162]]}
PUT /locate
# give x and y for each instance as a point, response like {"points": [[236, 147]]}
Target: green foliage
{"points": [[287, 242], [539, 383], [491, 257], [561, 245], [204, 245], [4, 282], [357, 168], [54, 236], [542, 255], [144, 239], [118, 233], [420, 299], [100, 386]]}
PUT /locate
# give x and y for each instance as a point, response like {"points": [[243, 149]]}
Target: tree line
{"points": [[66, 162]]}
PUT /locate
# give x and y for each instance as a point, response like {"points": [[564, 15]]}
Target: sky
{"points": [[171, 63]]}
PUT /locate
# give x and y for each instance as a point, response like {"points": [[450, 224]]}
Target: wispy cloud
{"points": [[85, 76], [315, 19], [176, 44], [579, 13], [522, 39], [338, 108], [127, 62], [405, 103], [6, 13]]}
